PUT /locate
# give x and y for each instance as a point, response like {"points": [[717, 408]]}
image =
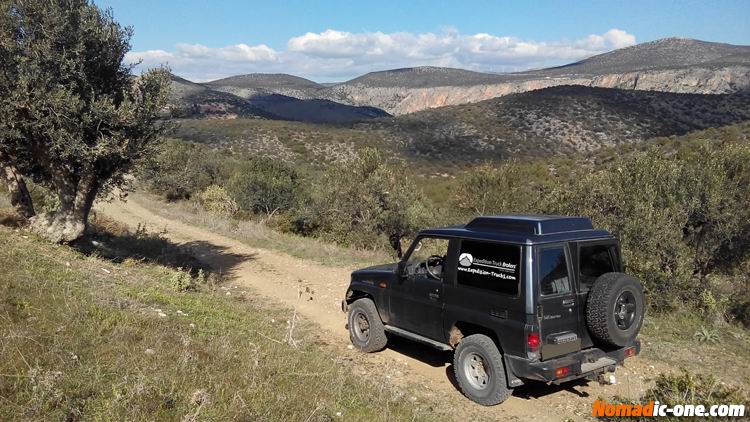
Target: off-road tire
{"points": [[375, 340], [496, 388], [601, 313]]}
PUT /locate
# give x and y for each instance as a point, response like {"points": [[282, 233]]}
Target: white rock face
{"points": [[403, 100]]}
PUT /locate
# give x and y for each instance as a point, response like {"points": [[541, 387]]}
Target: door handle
{"points": [[568, 302], [434, 296]]}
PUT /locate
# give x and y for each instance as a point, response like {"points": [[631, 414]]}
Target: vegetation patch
{"points": [[85, 338]]}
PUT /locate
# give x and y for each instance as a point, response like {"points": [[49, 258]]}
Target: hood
{"points": [[383, 268]]}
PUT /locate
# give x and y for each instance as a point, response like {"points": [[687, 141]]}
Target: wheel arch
{"points": [[461, 329]]}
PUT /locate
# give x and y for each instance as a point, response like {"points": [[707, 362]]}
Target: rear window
{"points": [[553, 271], [489, 266], [594, 260]]}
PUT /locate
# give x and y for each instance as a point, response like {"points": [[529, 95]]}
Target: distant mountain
{"points": [[253, 84], [189, 99], [667, 53], [678, 65], [258, 95], [426, 77], [669, 65]]}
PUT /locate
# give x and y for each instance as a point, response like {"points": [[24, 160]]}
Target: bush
{"points": [[182, 169], [264, 186], [366, 203], [688, 388], [680, 218], [216, 200], [511, 187]]}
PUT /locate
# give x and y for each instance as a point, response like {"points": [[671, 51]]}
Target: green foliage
{"points": [[367, 203], [680, 212], [180, 169], [679, 218], [125, 345], [182, 281], [689, 388], [74, 117], [510, 187], [264, 186], [706, 335], [215, 199]]}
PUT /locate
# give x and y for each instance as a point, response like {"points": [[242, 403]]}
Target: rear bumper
{"points": [[583, 364]]}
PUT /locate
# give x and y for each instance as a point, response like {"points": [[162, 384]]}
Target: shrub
{"points": [[182, 281], [216, 200], [511, 187], [182, 169], [367, 203], [264, 186], [688, 388]]}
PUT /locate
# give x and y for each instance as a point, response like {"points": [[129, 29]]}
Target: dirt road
{"points": [[427, 372]]}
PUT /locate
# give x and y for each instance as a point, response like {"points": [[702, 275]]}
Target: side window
{"points": [[427, 259], [553, 271], [427, 247], [594, 260], [490, 266]]}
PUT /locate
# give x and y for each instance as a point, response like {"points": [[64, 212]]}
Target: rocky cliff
{"points": [[402, 100]]}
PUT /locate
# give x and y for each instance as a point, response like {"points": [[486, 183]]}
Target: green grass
{"points": [[83, 338], [671, 339]]}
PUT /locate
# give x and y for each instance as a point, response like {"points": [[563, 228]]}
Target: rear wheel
{"points": [[615, 309], [480, 372], [366, 329]]}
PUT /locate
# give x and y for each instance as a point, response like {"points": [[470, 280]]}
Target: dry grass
{"points": [[259, 235], [85, 338]]}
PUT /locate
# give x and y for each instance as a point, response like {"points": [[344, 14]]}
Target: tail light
{"points": [[629, 352], [533, 341]]}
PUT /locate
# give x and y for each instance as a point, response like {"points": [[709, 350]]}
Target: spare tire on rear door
{"points": [[614, 309]]}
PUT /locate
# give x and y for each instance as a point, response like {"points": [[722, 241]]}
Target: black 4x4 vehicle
{"points": [[517, 297]]}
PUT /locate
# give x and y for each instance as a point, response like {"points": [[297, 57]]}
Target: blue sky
{"points": [[330, 40]]}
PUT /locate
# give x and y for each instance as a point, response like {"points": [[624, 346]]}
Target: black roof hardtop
{"points": [[523, 229]]}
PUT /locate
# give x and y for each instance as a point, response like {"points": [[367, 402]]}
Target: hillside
{"points": [[667, 53], [669, 65], [86, 338], [547, 122], [260, 96], [558, 120], [189, 99], [312, 110], [247, 86], [427, 77]]}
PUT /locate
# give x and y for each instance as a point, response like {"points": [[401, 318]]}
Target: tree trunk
{"points": [[69, 222], [19, 194]]}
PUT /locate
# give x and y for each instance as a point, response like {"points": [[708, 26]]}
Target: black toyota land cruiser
{"points": [[516, 297]]}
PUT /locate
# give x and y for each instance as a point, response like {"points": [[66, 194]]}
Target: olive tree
{"points": [[75, 118]]}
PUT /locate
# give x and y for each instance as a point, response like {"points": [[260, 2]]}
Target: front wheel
{"points": [[365, 326], [479, 370]]}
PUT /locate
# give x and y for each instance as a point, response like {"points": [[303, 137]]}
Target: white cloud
{"points": [[338, 55]]}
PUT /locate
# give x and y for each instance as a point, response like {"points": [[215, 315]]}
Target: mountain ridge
{"points": [[680, 65]]}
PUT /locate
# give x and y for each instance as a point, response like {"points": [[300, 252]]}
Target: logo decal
{"points": [[466, 259]]}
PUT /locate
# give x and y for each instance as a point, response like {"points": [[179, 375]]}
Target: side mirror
{"points": [[401, 269]]}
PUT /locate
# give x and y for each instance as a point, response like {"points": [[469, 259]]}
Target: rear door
{"points": [[592, 259], [558, 303]]}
